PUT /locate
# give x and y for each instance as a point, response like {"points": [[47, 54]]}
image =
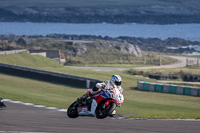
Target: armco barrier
{"points": [[199, 92], [179, 90], [140, 85], [146, 86], [159, 88], [194, 91], [165, 88], [152, 87], [172, 89], [187, 90], [48, 76]]}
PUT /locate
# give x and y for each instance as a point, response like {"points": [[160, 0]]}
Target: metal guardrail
{"points": [[48, 76]]}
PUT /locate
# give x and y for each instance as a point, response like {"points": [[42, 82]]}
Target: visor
{"points": [[118, 83]]}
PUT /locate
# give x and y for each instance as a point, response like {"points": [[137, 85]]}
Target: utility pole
{"points": [[187, 62], [160, 61], [145, 60], [151, 59]]}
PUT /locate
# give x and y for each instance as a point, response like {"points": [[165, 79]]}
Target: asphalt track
{"points": [[18, 118]]}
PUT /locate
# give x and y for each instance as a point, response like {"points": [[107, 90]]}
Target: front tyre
{"points": [[72, 111], [103, 111]]}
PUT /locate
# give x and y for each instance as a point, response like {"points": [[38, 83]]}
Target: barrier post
{"points": [[199, 92], [165, 88], [87, 84], [159, 88], [140, 85], [172, 89], [194, 91], [179, 90], [187, 90], [152, 87], [146, 86]]}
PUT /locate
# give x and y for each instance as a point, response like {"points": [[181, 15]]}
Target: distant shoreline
{"points": [[132, 12], [148, 44], [144, 31]]}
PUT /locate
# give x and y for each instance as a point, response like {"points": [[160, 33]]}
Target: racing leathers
{"points": [[99, 86], [104, 85]]}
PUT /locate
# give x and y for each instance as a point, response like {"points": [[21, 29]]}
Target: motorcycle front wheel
{"points": [[103, 111], [72, 111]]}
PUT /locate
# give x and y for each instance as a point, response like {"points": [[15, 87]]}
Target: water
{"points": [[196, 47], [185, 31]]}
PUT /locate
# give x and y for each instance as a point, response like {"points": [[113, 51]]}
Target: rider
{"points": [[115, 81]]}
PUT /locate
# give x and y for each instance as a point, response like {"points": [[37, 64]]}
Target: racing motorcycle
{"points": [[100, 105], [2, 103]]}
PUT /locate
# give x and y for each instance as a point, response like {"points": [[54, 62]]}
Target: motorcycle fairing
{"points": [[101, 96], [84, 111]]}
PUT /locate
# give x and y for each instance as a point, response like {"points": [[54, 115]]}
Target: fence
{"points": [[191, 62], [48, 76], [12, 51], [165, 88]]}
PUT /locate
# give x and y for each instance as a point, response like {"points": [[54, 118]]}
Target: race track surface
{"points": [[18, 118]]}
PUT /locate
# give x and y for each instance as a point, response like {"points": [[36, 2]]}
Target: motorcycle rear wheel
{"points": [[72, 111], [103, 112]]}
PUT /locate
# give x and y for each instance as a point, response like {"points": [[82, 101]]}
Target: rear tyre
{"points": [[72, 111], [103, 111]]}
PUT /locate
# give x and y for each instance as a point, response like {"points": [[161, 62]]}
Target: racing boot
{"points": [[113, 113], [82, 100]]}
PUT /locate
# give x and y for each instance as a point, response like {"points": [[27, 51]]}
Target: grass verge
{"points": [[136, 102], [166, 116]]}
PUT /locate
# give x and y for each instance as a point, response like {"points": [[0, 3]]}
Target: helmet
{"points": [[116, 80]]}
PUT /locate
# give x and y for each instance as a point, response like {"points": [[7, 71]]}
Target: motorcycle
{"points": [[2, 104], [100, 105]]}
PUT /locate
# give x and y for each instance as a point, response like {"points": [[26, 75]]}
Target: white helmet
{"points": [[116, 80]]}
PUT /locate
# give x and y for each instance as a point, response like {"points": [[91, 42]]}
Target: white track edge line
{"points": [[37, 106]]}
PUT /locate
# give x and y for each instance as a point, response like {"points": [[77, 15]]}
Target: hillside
{"points": [[27, 60], [99, 11], [74, 43]]}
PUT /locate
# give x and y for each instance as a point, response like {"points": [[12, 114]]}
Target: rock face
{"points": [[129, 49], [77, 47], [145, 44], [71, 47]]}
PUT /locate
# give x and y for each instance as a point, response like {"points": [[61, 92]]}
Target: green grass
{"points": [[27, 60], [37, 92], [167, 116], [113, 65], [191, 70], [99, 53], [116, 59], [136, 102]]}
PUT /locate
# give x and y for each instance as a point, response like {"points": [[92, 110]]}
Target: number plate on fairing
{"points": [[82, 109]]}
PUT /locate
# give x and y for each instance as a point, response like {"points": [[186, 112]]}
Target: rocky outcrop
{"points": [[70, 47], [131, 45], [145, 44], [78, 49], [129, 49]]}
